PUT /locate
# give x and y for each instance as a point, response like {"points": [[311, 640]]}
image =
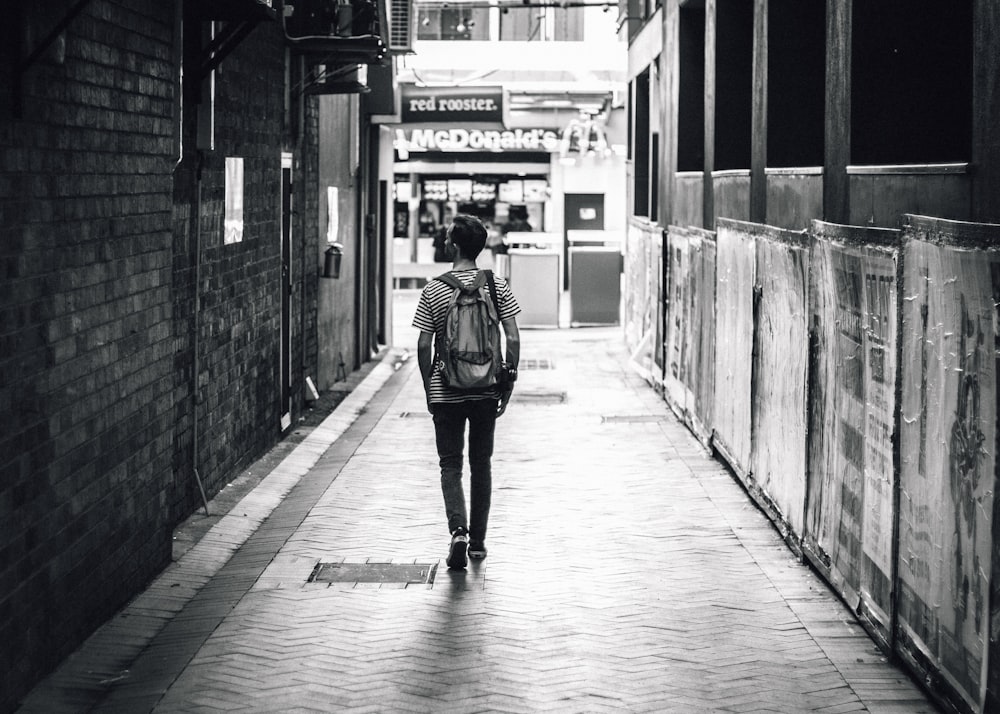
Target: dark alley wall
{"points": [[238, 326], [119, 294], [86, 460]]}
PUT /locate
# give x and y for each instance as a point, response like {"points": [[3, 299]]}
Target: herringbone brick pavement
{"points": [[627, 571]]}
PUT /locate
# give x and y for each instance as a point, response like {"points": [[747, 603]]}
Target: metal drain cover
{"points": [[632, 419], [405, 574], [539, 397]]}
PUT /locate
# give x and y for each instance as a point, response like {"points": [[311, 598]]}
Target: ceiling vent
{"points": [[401, 26]]}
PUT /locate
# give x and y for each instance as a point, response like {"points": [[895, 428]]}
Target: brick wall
{"points": [[98, 327], [86, 328], [241, 283], [307, 215]]}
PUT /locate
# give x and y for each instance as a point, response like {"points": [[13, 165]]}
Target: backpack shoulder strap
{"points": [[450, 280], [493, 291]]}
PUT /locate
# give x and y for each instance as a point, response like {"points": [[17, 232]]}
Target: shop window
{"points": [[691, 82], [442, 22], [796, 67], [517, 23], [494, 198], [641, 152], [568, 24], [733, 84], [529, 23], [911, 81], [522, 25]]}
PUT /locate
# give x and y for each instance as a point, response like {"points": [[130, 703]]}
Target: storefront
{"points": [[500, 176], [543, 185]]}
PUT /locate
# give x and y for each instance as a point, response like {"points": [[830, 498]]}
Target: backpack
{"points": [[469, 354]]}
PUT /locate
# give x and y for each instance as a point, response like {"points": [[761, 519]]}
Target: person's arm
{"points": [[513, 336], [425, 360]]}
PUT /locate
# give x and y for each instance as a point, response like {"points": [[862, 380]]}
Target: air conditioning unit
{"points": [[401, 26]]}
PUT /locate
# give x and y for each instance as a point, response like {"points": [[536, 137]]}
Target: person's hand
{"points": [[502, 404]]}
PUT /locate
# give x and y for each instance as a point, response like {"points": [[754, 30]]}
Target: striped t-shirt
{"points": [[429, 317]]}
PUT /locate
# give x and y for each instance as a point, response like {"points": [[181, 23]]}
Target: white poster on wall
{"points": [[233, 227], [332, 214]]}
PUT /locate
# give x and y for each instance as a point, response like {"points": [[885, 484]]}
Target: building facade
{"points": [[515, 114]]}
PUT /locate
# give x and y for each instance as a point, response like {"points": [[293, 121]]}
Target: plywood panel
{"points": [[780, 373], [948, 446], [850, 514], [734, 288]]}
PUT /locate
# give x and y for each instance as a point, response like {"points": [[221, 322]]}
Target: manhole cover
{"points": [[407, 574]]}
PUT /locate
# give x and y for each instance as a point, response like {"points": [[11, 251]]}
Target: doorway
{"points": [[581, 212]]}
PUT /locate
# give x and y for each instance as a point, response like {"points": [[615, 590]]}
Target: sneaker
{"points": [[457, 550], [477, 550]]}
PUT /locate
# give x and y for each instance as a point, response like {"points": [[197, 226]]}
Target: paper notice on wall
{"points": [[332, 214], [233, 222], [879, 339]]}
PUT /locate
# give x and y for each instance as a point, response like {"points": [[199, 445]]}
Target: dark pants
{"points": [[449, 429]]}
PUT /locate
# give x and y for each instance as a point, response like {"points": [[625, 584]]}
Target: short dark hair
{"points": [[468, 235]]}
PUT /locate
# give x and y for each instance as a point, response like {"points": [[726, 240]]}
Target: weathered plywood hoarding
{"points": [[736, 263], [853, 389], [761, 367], [641, 293], [852, 421], [948, 464], [690, 327], [780, 367], [702, 331], [678, 260], [657, 289]]}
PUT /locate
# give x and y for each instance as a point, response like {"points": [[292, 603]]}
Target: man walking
{"points": [[451, 407]]}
